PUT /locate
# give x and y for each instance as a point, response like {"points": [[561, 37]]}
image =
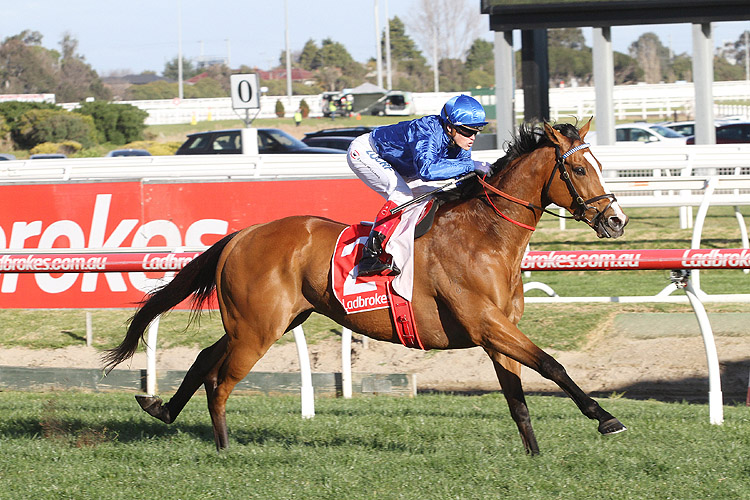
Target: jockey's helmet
{"points": [[465, 111]]}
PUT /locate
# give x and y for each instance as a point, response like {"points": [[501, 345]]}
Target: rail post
{"points": [[306, 388], [715, 399], [153, 333], [346, 363]]}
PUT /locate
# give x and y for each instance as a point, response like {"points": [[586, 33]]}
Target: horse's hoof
{"points": [[611, 426], [154, 407]]}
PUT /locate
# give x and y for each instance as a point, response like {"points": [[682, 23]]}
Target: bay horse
{"points": [[467, 288]]}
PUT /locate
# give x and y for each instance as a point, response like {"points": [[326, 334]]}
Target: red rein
{"points": [[507, 197]]}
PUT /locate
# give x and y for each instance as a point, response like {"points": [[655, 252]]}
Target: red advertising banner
{"points": [[114, 215], [619, 260]]}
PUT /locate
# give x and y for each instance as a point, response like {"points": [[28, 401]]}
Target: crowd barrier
{"points": [[618, 162], [681, 262]]}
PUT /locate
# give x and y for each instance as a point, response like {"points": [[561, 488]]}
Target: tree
{"points": [[332, 54], [571, 38], [336, 69], [626, 69], [452, 79], [681, 68], [171, 69], [651, 55], [77, 80], [408, 65], [449, 26], [307, 58], [49, 125], [25, 66], [329, 77], [159, 89], [116, 123], [566, 64], [480, 56], [724, 71]]}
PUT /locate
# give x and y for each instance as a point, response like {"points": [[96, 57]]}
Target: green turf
{"points": [[102, 446]]}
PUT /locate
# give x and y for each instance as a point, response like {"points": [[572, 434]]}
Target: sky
{"points": [[138, 35]]}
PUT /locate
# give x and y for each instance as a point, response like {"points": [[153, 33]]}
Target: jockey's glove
{"points": [[482, 168]]}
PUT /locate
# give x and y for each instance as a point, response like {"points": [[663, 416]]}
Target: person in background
{"points": [[298, 117], [332, 109], [431, 148]]}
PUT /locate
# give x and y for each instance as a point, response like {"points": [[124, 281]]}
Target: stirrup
{"points": [[373, 266]]}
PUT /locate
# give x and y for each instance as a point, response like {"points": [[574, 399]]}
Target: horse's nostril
{"points": [[617, 222]]}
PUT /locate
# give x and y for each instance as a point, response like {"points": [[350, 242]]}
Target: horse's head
{"points": [[576, 183]]}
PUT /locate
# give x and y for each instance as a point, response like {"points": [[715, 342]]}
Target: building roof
{"points": [[508, 15]]}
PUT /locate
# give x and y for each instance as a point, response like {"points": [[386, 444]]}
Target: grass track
{"points": [[102, 446]]}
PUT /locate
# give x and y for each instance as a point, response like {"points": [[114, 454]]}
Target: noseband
{"points": [[581, 206]]}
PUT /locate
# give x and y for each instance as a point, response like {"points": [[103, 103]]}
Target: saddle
{"points": [[360, 294]]}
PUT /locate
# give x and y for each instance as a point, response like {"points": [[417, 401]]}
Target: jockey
{"points": [[430, 148]]}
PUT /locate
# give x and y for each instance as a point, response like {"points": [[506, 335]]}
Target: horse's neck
{"points": [[524, 179]]}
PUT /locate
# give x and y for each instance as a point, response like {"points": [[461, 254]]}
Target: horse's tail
{"points": [[197, 277]]}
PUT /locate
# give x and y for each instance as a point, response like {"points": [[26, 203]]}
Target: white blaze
{"points": [[615, 206]]}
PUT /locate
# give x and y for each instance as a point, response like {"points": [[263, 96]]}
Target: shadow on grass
{"points": [[73, 336], [734, 386]]}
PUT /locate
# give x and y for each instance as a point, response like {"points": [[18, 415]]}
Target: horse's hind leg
{"points": [[243, 351], [509, 374], [208, 359]]}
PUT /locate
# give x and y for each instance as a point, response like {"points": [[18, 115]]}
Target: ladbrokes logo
{"points": [[52, 264], [71, 234], [360, 302], [166, 263]]}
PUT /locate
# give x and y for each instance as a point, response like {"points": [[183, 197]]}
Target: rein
{"points": [[582, 205]]}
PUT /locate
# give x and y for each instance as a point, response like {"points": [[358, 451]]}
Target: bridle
{"points": [[581, 206]]}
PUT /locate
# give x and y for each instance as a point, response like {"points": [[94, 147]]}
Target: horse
{"points": [[467, 290]]}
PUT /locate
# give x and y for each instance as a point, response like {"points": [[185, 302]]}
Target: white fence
{"points": [[618, 161], [634, 102]]}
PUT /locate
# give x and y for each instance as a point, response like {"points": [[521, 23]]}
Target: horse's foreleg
{"points": [[509, 374], [554, 371], [198, 374], [509, 340]]}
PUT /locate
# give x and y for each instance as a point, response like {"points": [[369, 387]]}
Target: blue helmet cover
{"points": [[463, 110]]}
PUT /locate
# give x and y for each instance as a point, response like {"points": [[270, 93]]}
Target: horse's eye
{"points": [[579, 170]]}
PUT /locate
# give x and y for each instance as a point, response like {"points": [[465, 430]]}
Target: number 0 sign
{"points": [[245, 91]]}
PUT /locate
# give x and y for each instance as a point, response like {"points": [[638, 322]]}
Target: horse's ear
{"points": [[585, 129], [552, 134]]}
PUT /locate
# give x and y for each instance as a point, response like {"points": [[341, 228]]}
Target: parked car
{"points": [[687, 127], [734, 132], [645, 133], [330, 141], [127, 152], [7, 156], [270, 140], [339, 132], [47, 156], [396, 103]]}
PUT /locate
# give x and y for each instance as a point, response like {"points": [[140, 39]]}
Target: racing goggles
{"points": [[467, 131]]}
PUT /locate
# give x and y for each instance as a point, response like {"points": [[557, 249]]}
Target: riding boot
{"points": [[371, 263]]}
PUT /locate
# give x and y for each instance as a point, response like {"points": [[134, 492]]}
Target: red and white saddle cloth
{"points": [[368, 293]]}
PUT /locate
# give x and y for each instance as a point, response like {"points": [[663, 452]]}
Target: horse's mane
{"points": [[528, 138]]}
